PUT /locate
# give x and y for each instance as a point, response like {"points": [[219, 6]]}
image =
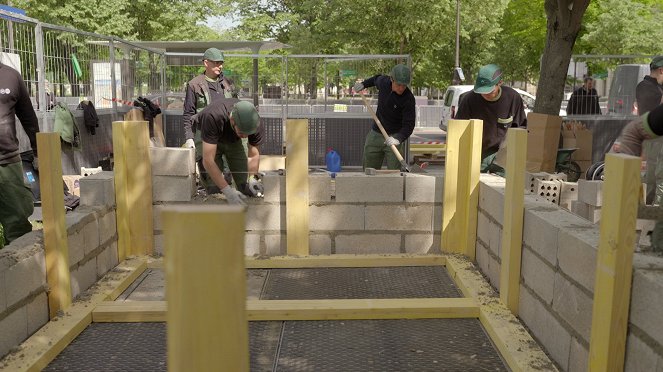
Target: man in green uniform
{"points": [[397, 113], [499, 107]]}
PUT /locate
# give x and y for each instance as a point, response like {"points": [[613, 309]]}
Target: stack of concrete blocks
{"points": [[568, 194], [590, 200], [557, 281], [531, 178], [92, 245], [173, 174], [552, 187]]}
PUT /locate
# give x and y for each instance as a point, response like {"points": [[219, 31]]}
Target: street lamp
{"points": [[458, 76]]}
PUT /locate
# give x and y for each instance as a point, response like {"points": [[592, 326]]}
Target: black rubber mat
{"points": [[356, 345], [345, 283]]}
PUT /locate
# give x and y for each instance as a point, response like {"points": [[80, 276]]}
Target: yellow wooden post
{"points": [[614, 263], [461, 187], [512, 228], [56, 246], [296, 187], [204, 260], [133, 188]]}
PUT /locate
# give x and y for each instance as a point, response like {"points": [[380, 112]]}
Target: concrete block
{"points": [[540, 235], [173, 188], [274, 187], [491, 197], [590, 192], [172, 161], [483, 224], [561, 177], [579, 356], [548, 190], [91, 236], [437, 219], [76, 244], [399, 217], [272, 162], [266, 217], [98, 189], [37, 312], [568, 193], [336, 217], [3, 291], [647, 302], [368, 243], [275, 244], [577, 253], [107, 227], [421, 188], [489, 266], [159, 246], [114, 255], [83, 277], [593, 214], [25, 276], [13, 329], [319, 188], [365, 189], [104, 261], [573, 305], [639, 356], [156, 215], [422, 243], [251, 244], [495, 239], [580, 208], [531, 177], [319, 244], [538, 276], [545, 328], [647, 262]]}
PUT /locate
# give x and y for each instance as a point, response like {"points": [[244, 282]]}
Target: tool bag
{"points": [[66, 125]]}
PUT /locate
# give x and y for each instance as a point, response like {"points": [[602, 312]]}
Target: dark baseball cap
{"points": [[246, 117], [213, 54], [657, 62], [488, 77]]}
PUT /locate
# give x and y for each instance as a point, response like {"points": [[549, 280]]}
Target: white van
{"points": [[450, 104]]}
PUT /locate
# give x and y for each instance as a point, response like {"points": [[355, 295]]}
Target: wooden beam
{"points": [[43, 346], [206, 280], [515, 344], [614, 263], [344, 260], [133, 188], [450, 218], [282, 310], [512, 231], [296, 187], [56, 246]]}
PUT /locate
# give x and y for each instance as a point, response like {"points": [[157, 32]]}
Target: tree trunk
{"points": [[564, 20]]}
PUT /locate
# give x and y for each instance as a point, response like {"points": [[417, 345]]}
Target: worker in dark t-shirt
{"points": [[499, 107]]}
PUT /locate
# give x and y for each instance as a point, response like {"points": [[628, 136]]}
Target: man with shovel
{"points": [[396, 113]]}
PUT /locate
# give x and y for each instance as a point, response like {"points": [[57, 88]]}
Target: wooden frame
{"points": [[296, 187]]}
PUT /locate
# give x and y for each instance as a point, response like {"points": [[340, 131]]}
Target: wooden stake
{"points": [[55, 230], [206, 281], [296, 187], [614, 263]]}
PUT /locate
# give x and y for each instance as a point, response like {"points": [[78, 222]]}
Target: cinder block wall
{"points": [[92, 240], [557, 281]]}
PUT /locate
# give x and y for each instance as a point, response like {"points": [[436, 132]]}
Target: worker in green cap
{"points": [[500, 107], [201, 91], [223, 124], [397, 113]]}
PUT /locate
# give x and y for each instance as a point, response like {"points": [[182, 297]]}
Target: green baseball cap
{"points": [[246, 117], [213, 54], [489, 76], [657, 62], [400, 74]]}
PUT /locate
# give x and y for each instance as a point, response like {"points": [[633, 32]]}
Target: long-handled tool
{"points": [[415, 168]]}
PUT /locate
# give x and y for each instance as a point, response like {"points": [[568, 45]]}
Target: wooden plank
{"points": [[344, 260], [614, 263], [281, 310], [56, 246], [133, 187], [43, 346], [296, 187], [206, 280], [515, 344], [471, 195], [512, 230], [450, 217]]}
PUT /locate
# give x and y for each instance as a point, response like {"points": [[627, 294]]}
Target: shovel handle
{"points": [[384, 132]]}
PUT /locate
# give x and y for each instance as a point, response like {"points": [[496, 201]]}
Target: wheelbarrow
{"points": [[565, 165]]}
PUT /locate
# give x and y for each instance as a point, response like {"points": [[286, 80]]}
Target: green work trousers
{"points": [[375, 152], [223, 153], [16, 203]]}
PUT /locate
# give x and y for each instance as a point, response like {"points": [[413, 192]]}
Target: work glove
{"points": [[392, 141], [255, 187], [35, 163], [233, 196], [630, 140], [189, 144], [358, 87]]}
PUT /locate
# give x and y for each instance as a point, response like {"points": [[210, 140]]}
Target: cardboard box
{"points": [[542, 142], [73, 184], [576, 135]]}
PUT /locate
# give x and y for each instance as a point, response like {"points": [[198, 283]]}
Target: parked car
{"points": [[621, 98], [450, 104]]}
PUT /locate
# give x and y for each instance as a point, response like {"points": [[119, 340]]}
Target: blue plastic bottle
{"points": [[333, 160]]}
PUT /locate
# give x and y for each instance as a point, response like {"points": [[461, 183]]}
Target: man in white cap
{"points": [[499, 107]]}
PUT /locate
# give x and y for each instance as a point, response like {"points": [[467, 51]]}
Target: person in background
{"points": [[201, 91], [397, 114], [222, 125], [584, 100], [16, 203], [500, 107], [648, 95]]}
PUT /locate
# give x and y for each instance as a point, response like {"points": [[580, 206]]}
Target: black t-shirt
{"points": [[498, 116], [14, 100], [648, 94], [214, 121], [397, 113]]}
